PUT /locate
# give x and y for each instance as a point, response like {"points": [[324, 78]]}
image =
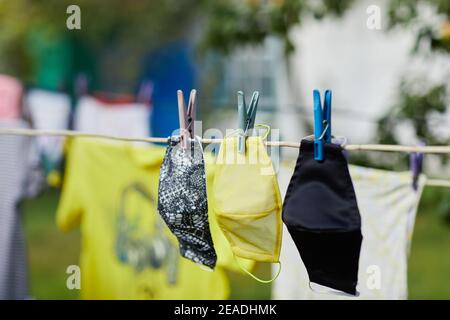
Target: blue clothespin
{"points": [[246, 117], [322, 123]]}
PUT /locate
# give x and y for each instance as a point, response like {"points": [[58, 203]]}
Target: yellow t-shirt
{"points": [[111, 191]]}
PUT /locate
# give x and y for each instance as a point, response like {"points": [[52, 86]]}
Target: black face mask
{"points": [[322, 216]]}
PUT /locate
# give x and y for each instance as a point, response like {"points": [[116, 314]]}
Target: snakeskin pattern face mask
{"points": [[182, 201]]}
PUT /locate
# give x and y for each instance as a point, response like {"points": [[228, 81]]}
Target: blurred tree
{"points": [[407, 13], [232, 23], [136, 26], [131, 26], [140, 25], [416, 107], [420, 101]]}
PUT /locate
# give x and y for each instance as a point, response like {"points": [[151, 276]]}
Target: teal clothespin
{"points": [[246, 117], [322, 123]]}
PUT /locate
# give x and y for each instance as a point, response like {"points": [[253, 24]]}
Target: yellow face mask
{"points": [[248, 202]]}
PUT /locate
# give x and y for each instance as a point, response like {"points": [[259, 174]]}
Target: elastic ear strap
{"points": [[233, 133], [339, 140], [255, 277], [199, 141], [204, 268], [265, 126]]}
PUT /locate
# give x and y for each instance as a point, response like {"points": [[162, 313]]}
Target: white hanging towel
{"points": [[129, 120], [49, 111]]}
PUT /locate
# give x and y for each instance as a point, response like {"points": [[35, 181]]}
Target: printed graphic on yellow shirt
{"points": [[143, 250]]}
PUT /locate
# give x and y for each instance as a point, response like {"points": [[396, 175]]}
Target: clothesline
{"points": [[350, 147], [438, 183], [353, 147]]}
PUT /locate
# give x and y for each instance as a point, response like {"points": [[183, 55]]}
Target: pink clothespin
{"points": [[10, 97], [187, 118]]}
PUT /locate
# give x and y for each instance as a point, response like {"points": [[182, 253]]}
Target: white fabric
{"points": [[130, 120], [388, 206], [19, 178], [50, 111]]}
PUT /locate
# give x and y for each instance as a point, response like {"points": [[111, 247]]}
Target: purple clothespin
{"points": [[416, 165], [145, 92], [81, 85]]}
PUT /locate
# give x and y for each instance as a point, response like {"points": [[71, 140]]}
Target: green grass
{"points": [[429, 263], [50, 252], [244, 287]]}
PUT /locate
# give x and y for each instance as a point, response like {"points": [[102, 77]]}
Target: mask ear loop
{"points": [[205, 268], [198, 140], [264, 126], [255, 277], [340, 140]]}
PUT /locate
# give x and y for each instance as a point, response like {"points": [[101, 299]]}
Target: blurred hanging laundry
{"points": [[49, 111], [10, 97], [104, 116], [20, 177], [170, 67], [52, 58]]}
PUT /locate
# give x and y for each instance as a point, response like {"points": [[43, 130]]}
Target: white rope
{"points": [[357, 147], [438, 183], [69, 133], [350, 147]]}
